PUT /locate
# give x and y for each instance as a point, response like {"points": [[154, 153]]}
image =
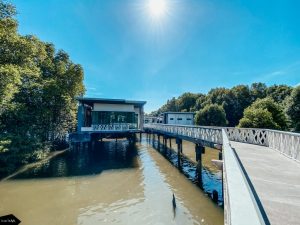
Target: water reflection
{"points": [[87, 160], [112, 183], [211, 177]]}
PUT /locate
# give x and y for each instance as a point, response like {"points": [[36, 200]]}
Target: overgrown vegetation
{"points": [[38, 86], [257, 106]]}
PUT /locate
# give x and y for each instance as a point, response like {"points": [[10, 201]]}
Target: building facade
{"points": [[178, 118], [98, 114]]}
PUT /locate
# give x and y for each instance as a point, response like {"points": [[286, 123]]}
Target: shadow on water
{"points": [[210, 180], [87, 160]]}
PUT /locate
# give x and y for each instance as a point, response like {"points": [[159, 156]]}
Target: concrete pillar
{"points": [[220, 156], [80, 117], [199, 150], [215, 196], [179, 152]]}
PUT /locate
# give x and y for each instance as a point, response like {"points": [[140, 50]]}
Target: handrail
{"points": [[244, 212], [111, 127], [213, 135], [287, 143]]}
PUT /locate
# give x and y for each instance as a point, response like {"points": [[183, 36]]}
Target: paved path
{"points": [[276, 180]]}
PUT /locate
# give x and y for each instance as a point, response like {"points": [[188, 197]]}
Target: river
{"points": [[113, 183]]}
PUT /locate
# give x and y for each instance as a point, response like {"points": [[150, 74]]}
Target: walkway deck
{"points": [[276, 180]]}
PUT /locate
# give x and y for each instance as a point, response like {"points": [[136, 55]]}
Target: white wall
{"points": [[113, 107], [180, 119]]}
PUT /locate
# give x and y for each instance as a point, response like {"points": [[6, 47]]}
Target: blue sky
{"points": [[194, 45]]}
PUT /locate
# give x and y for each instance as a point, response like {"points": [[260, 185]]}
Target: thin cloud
{"points": [[289, 69]]}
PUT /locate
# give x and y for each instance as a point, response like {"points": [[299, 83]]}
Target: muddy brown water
{"points": [[113, 183]]}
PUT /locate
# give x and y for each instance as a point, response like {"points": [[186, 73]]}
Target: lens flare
{"points": [[157, 8]]}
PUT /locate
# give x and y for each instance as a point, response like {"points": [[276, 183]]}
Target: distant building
{"points": [[178, 118], [150, 119], [99, 114]]}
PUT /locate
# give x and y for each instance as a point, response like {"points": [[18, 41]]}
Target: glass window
{"points": [[100, 117], [171, 118], [179, 118]]}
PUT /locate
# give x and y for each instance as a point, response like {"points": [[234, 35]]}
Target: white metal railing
{"points": [[111, 127], [210, 134], [287, 143], [247, 135], [236, 187]]}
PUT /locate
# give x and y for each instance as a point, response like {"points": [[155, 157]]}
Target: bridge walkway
{"points": [[276, 180]]}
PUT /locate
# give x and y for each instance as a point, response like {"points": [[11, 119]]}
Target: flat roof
{"points": [[110, 101], [179, 113]]}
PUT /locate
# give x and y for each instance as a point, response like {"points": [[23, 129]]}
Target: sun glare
{"points": [[157, 8]]}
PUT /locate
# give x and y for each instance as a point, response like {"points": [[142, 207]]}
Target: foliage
{"points": [[234, 101], [293, 108], [211, 115], [279, 92], [257, 118], [258, 90], [38, 86], [264, 113]]}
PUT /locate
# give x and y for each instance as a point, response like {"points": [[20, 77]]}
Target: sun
{"points": [[157, 8]]}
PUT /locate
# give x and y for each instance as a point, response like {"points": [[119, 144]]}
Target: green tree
{"points": [[186, 101], [257, 118], [38, 86], [258, 90], [268, 111], [211, 115], [279, 92], [200, 101], [293, 108]]}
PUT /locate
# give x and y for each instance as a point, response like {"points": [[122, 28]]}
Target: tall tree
{"points": [[258, 90], [38, 87], [293, 108], [279, 92], [186, 101]]}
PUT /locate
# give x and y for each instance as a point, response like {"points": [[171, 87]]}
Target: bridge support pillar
{"points": [[199, 149], [165, 141], [179, 152]]}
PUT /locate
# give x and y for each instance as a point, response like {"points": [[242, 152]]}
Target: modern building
{"points": [[99, 115], [178, 118]]}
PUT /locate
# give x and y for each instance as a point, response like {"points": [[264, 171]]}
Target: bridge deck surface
{"points": [[276, 180]]}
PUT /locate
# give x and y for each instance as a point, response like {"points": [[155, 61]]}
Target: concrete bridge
{"points": [[261, 170]]}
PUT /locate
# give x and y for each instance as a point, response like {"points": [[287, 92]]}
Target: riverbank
{"points": [[46, 156]]}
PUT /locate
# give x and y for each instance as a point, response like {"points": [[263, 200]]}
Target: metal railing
{"points": [[248, 135], [209, 134], [111, 127], [287, 143]]}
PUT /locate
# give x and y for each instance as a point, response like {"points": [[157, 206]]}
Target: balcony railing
{"points": [[111, 127]]}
